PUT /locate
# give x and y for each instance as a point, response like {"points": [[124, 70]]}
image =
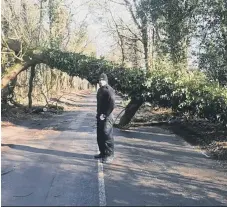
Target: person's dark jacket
{"points": [[105, 100]]}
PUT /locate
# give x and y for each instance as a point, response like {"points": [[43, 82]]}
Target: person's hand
{"points": [[102, 117]]}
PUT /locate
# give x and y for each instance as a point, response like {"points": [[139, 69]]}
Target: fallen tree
{"points": [[85, 67], [184, 92]]}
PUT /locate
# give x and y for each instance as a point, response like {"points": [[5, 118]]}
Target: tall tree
{"points": [[212, 32], [140, 19]]}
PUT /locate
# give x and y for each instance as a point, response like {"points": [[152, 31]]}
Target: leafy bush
{"points": [[186, 92]]}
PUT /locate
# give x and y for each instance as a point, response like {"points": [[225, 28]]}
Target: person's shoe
{"points": [[99, 156], [108, 159]]}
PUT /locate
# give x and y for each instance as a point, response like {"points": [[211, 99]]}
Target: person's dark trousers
{"points": [[105, 136]]}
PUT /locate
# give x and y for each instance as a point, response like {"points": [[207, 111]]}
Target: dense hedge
{"points": [[184, 91], [188, 92]]}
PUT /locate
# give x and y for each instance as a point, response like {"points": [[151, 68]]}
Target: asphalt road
{"points": [[151, 167]]}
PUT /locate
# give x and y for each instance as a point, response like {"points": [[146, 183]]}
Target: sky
{"points": [[101, 39], [96, 19], [93, 12]]}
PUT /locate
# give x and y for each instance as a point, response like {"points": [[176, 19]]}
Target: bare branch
{"points": [[129, 6], [119, 3], [133, 33], [10, 50]]}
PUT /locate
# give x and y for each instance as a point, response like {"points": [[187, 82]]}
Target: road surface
{"points": [[53, 164]]}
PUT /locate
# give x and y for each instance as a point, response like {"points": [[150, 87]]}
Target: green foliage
{"points": [[180, 24], [127, 81], [186, 92], [212, 30], [173, 24]]}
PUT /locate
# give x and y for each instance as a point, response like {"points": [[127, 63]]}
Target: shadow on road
{"points": [[155, 168], [44, 180], [152, 166], [60, 122], [48, 151]]}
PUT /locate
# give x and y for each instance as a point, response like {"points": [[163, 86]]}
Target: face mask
{"points": [[102, 82]]}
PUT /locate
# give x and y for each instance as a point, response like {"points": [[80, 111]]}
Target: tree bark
{"points": [[50, 5], [153, 49], [8, 92], [40, 20], [130, 111], [144, 32], [32, 75], [13, 71]]}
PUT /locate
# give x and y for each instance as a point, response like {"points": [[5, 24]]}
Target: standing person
{"points": [[105, 106]]}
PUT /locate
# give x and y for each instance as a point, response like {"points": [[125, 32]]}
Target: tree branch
{"points": [[129, 6]]}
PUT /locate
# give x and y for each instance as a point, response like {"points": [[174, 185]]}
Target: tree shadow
{"points": [[152, 167], [161, 175], [44, 181], [60, 122], [48, 151]]}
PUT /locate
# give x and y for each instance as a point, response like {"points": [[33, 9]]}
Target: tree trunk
{"points": [[122, 50], [13, 71], [32, 75], [40, 20], [71, 82], [130, 111], [135, 61], [8, 92], [144, 31], [153, 49], [50, 13]]}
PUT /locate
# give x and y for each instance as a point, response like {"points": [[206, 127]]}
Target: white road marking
{"points": [[204, 154], [102, 192]]}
